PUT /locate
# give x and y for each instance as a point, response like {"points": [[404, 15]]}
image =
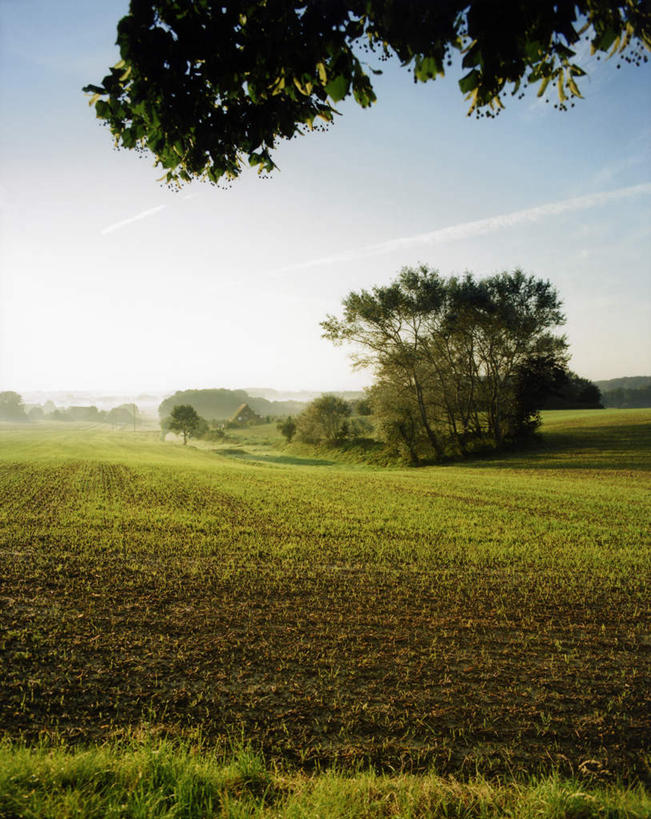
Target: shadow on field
{"points": [[292, 460], [623, 447]]}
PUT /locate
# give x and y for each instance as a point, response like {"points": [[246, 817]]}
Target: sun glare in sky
{"points": [[111, 281]]}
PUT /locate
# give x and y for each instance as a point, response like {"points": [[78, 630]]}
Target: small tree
{"points": [[324, 419], [287, 428], [185, 420]]}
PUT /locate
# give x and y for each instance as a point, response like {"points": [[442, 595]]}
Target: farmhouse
{"points": [[244, 415]]}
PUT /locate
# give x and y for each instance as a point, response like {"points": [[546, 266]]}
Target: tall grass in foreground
{"points": [[158, 778]]}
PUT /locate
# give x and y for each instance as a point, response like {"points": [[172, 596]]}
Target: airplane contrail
{"points": [[479, 227], [142, 215]]}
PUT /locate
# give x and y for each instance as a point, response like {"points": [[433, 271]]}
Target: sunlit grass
{"points": [[154, 778], [569, 500]]}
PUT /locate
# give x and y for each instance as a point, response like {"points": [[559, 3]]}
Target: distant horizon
{"points": [[156, 393]]}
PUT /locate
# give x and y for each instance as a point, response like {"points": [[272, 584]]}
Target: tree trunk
{"points": [[423, 417]]}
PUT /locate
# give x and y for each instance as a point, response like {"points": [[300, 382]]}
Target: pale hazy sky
{"points": [[110, 281]]}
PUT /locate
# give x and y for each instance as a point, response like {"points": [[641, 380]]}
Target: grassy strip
{"points": [[159, 778]]}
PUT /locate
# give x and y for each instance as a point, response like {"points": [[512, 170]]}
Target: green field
{"points": [[488, 618]]}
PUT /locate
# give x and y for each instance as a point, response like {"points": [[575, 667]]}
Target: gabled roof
{"points": [[243, 413]]}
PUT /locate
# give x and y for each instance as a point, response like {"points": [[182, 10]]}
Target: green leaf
{"points": [[102, 109], [338, 88], [426, 69], [603, 41], [364, 96], [470, 81]]}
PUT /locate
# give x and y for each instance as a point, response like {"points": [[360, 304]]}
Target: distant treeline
{"points": [[632, 392], [12, 408], [631, 382], [117, 416], [622, 398], [220, 404]]}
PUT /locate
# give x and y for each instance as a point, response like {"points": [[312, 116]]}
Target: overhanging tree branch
{"points": [[210, 87]]}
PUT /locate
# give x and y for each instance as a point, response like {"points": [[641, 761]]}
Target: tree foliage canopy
{"points": [[185, 420], [11, 406], [458, 362], [287, 428], [209, 86], [324, 419], [570, 391]]}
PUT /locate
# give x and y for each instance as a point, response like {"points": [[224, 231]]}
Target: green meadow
{"points": [[476, 632]]}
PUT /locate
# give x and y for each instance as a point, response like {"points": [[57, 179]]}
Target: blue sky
{"points": [[110, 281]]}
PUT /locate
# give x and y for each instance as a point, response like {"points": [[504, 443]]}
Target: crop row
{"points": [[484, 618]]}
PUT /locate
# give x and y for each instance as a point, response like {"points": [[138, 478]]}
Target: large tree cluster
{"points": [[208, 87], [460, 363]]}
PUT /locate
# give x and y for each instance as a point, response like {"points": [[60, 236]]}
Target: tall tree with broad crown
{"points": [[451, 354]]}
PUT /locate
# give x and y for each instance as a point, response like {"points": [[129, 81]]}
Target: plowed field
{"points": [[489, 617]]}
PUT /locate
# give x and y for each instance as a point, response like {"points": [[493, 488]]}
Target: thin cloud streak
{"points": [[142, 215], [480, 227]]}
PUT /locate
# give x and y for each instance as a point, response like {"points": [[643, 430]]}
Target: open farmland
{"points": [[486, 617]]}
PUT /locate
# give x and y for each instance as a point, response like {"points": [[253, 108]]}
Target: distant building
{"points": [[244, 415]]}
